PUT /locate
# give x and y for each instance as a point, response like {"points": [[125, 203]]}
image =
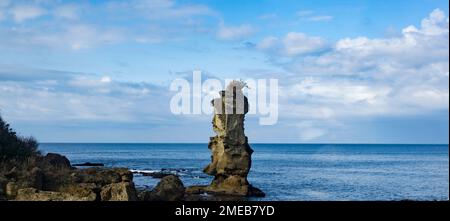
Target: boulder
{"points": [[170, 188], [57, 160], [123, 191], [11, 190]]}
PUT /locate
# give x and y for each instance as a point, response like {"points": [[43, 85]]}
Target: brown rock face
{"points": [[170, 188], [11, 189], [57, 160], [123, 191], [59, 184], [231, 153], [32, 194]]}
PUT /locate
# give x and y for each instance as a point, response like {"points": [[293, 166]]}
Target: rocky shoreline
{"points": [[53, 178]]}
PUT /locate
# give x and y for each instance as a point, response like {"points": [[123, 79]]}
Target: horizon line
{"points": [[249, 143]]}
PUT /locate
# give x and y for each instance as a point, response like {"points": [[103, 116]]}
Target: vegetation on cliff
{"points": [[14, 147], [26, 174]]}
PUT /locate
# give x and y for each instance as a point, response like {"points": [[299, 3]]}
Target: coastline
{"points": [[307, 172]]}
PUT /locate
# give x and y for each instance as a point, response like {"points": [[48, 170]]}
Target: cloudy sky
{"points": [[349, 71]]}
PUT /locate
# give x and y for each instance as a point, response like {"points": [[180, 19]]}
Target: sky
{"points": [[348, 71]]}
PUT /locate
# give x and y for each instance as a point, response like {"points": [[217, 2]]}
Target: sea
{"points": [[290, 172]]}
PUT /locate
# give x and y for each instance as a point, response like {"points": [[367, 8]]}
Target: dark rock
{"points": [[52, 178], [255, 192], [170, 188], [104, 176], [57, 160], [156, 174], [89, 164], [195, 190]]}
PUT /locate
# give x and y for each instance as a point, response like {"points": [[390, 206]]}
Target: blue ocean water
{"points": [[293, 171]]}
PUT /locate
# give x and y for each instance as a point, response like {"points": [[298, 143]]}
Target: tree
{"points": [[15, 147]]}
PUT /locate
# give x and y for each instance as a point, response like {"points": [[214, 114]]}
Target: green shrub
{"points": [[14, 147]]}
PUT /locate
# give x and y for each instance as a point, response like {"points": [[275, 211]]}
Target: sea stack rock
{"points": [[231, 153]]}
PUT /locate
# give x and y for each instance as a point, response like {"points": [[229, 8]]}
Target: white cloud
{"points": [[161, 9], [268, 16], [313, 16], [435, 24], [338, 92], [234, 32], [362, 77], [81, 98], [25, 12], [82, 36], [321, 18], [394, 75], [67, 12], [299, 43], [310, 133], [76, 37], [106, 79], [70, 26], [417, 44], [292, 44]]}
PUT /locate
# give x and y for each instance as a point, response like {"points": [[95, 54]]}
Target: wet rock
{"points": [[170, 188], [89, 164], [123, 191], [156, 174], [256, 192]]}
